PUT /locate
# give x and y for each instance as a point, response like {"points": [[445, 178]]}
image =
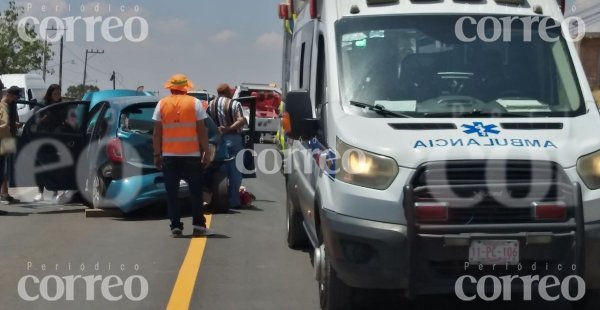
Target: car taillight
{"points": [[431, 211], [114, 150], [551, 211]]}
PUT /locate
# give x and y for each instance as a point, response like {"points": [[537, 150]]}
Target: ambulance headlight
{"points": [[588, 168], [362, 168]]}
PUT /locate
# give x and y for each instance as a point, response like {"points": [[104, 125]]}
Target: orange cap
{"points": [[179, 82]]}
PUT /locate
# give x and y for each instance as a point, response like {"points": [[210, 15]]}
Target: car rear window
{"points": [[137, 119]]}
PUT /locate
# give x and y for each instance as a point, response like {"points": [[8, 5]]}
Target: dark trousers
{"points": [[3, 167], [190, 170]]}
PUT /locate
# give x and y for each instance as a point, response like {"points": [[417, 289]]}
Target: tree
{"points": [[18, 54], [77, 91]]}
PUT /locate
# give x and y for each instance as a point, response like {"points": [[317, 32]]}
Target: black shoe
{"points": [[3, 212], [176, 232], [8, 199]]}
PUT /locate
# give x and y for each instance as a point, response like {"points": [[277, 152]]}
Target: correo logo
{"points": [[480, 129]]}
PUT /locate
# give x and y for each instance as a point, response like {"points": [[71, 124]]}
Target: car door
{"points": [[249, 137], [50, 146]]}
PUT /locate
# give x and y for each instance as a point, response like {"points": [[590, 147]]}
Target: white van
{"points": [[441, 147], [34, 89]]}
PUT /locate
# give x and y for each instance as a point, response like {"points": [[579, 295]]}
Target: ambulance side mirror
{"points": [[299, 108]]}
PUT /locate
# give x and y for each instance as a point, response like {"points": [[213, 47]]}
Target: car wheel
{"points": [[296, 235], [333, 293], [98, 192], [219, 189]]}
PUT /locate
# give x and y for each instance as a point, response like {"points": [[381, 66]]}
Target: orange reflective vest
{"points": [[178, 116]]}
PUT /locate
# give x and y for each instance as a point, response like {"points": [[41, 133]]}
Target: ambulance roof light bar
{"points": [[284, 12], [287, 10], [314, 12], [562, 3]]}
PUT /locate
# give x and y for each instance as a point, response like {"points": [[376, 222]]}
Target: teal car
{"points": [[96, 97], [111, 145]]}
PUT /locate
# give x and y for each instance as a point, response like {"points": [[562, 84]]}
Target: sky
{"points": [[211, 41]]}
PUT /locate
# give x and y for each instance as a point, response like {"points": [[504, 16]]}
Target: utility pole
{"points": [[86, 60], [45, 58], [62, 42], [113, 78]]}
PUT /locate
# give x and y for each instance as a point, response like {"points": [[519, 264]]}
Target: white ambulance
{"points": [[441, 147]]}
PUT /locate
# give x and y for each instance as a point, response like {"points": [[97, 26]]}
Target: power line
{"points": [[87, 52], [73, 53], [98, 70]]}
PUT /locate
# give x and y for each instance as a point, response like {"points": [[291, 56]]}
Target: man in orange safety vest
{"points": [[181, 150]]}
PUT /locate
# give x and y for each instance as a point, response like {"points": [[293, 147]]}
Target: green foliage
{"points": [[77, 91], [18, 55]]}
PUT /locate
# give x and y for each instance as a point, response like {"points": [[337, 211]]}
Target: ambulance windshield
{"points": [[457, 66]]}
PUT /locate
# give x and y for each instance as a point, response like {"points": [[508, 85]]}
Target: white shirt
{"points": [[200, 116]]}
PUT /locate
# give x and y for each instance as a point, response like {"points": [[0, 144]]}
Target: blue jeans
{"points": [[190, 170], [234, 144]]}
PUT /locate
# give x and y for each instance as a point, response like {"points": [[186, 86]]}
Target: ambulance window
{"points": [[302, 56], [567, 88], [321, 80], [415, 66], [301, 79]]}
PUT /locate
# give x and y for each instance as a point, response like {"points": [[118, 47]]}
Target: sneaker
{"points": [[63, 198], [3, 212], [38, 198], [202, 231], [8, 199], [176, 232]]}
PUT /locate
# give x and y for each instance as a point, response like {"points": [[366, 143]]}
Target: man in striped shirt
{"points": [[228, 116]]}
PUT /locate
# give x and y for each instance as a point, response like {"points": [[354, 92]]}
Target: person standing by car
{"points": [[8, 132], [228, 115], [181, 150], [1, 96], [53, 96]]}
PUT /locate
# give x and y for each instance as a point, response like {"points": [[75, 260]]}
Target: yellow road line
{"points": [[186, 280]]}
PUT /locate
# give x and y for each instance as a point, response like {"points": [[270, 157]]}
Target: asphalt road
{"points": [[247, 265]]}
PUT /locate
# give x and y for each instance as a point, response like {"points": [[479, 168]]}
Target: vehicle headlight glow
{"points": [[358, 164], [588, 168], [363, 168]]}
